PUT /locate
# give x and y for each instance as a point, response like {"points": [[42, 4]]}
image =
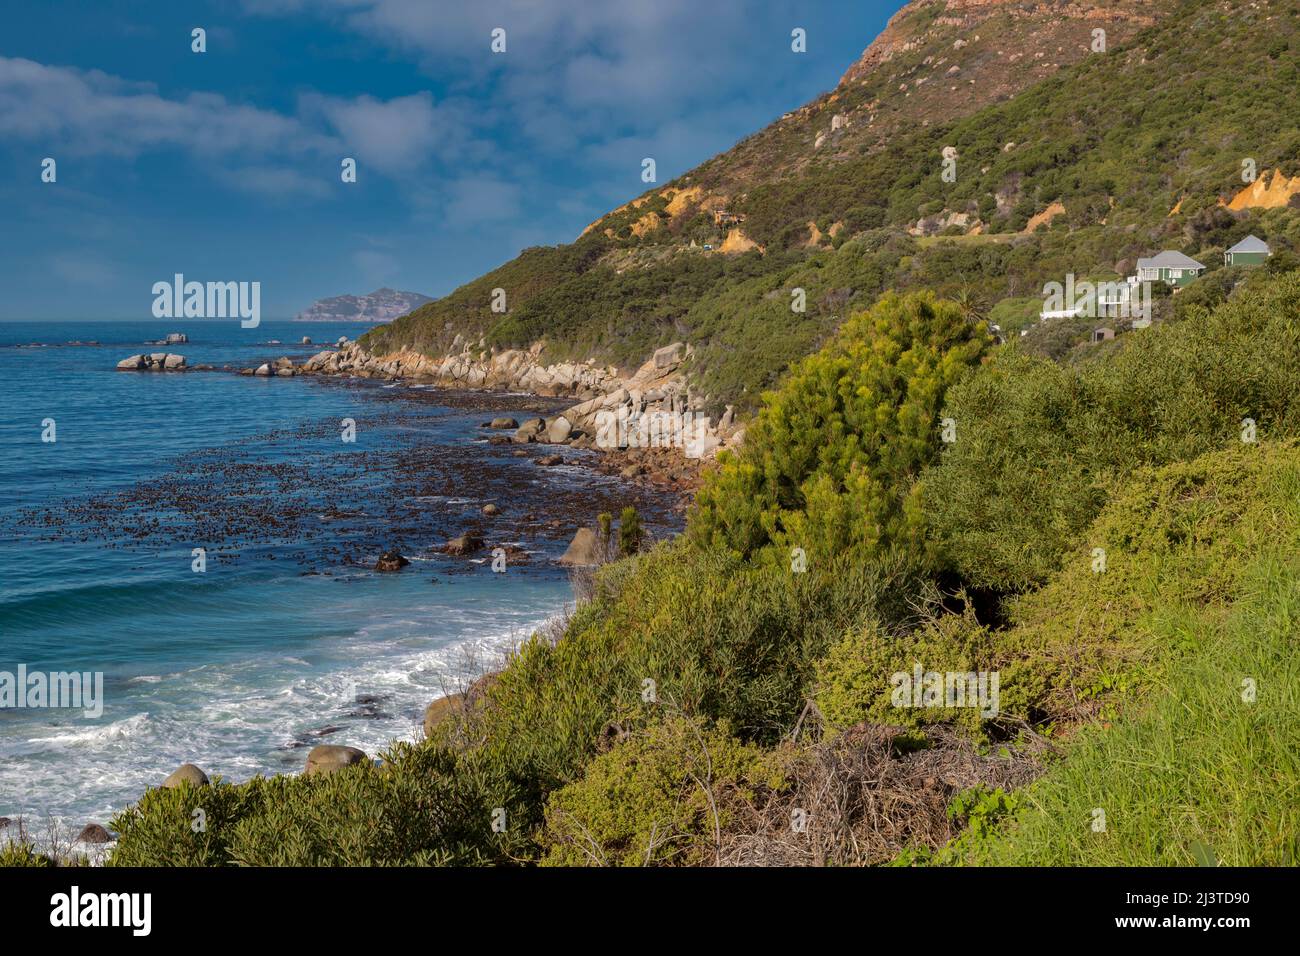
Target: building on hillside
{"points": [[1171, 268], [1251, 251], [723, 218], [1102, 335]]}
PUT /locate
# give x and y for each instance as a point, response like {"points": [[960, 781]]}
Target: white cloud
{"points": [[90, 112], [87, 112], [574, 69], [483, 199], [398, 135], [82, 269], [274, 182]]}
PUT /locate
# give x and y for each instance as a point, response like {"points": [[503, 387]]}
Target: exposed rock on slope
{"points": [[1264, 193]]}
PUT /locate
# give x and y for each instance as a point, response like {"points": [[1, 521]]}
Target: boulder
{"points": [[559, 430], [186, 773], [584, 550], [174, 362], [343, 340], [547, 461], [94, 833], [703, 446], [669, 356], [306, 341], [329, 758], [440, 710], [285, 372], [503, 422], [283, 362], [262, 369], [134, 362], [391, 561], [175, 338], [467, 543], [491, 510]]}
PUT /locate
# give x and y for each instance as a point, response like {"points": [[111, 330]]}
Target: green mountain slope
{"points": [[1094, 156]]}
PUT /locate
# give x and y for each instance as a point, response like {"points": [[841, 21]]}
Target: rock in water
{"points": [[546, 461], [391, 561], [559, 430], [329, 758], [491, 510], [530, 430], [503, 423], [467, 543], [154, 362], [94, 833], [186, 773], [584, 550], [440, 710]]}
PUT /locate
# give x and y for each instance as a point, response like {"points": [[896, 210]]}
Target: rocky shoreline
{"points": [[652, 409]]}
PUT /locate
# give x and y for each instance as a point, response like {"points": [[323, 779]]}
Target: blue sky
{"points": [[225, 165]]}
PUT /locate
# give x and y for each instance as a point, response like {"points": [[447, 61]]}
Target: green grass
{"points": [[1191, 771]]}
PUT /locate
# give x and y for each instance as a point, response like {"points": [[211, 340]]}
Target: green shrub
{"points": [[661, 796], [423, 806], [630, 532], [23, 854], [1040, 447], [856, 678]]}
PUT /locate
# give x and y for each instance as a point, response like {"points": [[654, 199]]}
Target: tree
{"points": [[833, 459], [630, 532]]}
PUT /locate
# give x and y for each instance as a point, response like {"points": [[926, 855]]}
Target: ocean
{"points": [[277, 634]]}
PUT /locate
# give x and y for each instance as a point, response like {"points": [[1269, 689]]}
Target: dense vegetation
{"points": [[706, 691]]}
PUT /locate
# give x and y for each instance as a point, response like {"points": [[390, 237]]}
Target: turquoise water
{"points": [[288, 638]]}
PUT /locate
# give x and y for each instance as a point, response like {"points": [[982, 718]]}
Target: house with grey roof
{"points": [[1251, 251], [1172, 268]]}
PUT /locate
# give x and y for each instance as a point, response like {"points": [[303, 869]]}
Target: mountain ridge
{"points": [[382, 305]]}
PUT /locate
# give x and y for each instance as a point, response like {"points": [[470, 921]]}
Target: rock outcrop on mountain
{"points": [[382, 305]]}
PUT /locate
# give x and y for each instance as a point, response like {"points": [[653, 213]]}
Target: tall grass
{"points": [[1193, 772]]}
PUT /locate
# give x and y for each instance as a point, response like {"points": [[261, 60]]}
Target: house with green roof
{"points": [[1172, 268], [1251, 251]]}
